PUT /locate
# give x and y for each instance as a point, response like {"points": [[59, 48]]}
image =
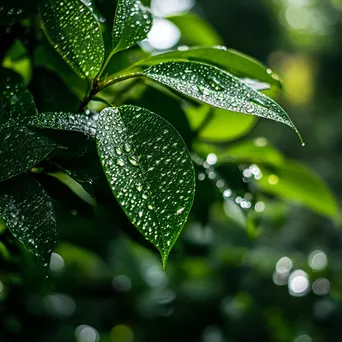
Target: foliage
{"points": [[95, 132]]}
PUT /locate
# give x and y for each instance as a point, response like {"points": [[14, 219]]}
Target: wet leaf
{"points": [[132, 23], [29, 215], [16, 10], [232, 61], [73, 30], [149, 171], [217, 88], [21, 149], [15, 100]]}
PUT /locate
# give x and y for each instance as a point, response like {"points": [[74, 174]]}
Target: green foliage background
{"points": [[227, 278]]}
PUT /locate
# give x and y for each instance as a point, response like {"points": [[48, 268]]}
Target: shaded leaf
{"points": [[73, 30], [195, 30], [15, 100], [232, 61], [218, 125], [132, 23], [28, 213], [149, 171], [16, 10], [298, 184], [48, 98], [217, 88], [21, 149]]}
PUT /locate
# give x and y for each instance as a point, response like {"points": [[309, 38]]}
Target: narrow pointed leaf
{"points": [[217, 88], [149, 171], [21, 149], [132, 23], [75, 33], [28, 214], [232, 61]]}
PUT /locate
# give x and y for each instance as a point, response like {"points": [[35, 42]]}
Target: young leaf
{"points": [[21, 149], [217, 88], [75, 33], [132, 23], [15, 100], [149, 171], [232, 61], [28, 213]]}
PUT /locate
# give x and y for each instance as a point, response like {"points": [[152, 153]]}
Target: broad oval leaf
{"points": [[149, 170], [73, 30], [21, 149], [132, 23], [29, 215], [234, 62], [15, 100], [217, 88]]}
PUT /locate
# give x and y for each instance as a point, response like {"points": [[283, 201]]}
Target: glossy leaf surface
{"points": [[21, 149], [217, 88], [149, 171], [75, 33], [234, 62], [131, 24], [29, 215]]}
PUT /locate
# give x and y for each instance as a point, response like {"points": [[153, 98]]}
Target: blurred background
{"points": [[276, 278]]}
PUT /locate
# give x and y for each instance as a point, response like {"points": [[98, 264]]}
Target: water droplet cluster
{"points": [[217, 88], [149, 171], [131, 24], [32, 222], [75, 33]]}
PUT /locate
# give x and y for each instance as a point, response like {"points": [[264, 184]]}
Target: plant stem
{"points": [[100, 99], [98, 87]]}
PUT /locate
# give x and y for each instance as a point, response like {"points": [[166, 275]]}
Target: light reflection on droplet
{"points": [[227, 193], [298, 283], [259, 207], [60, 304], [86, 333], [321, 286], [303, 338], [318, 260], [121, 283], [212, 159], [122, 333], [273, 179], [56, 262], [163, 36], [164, 8], [284, 265]]}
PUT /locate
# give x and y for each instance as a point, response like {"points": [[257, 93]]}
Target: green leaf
{"points": [[132, 23], [21, 149], [195, 30], [75, 33], [218, 125], [15, 100], [232, 61], [149, 171], [82, 123], [16, 10], [296, 183], [217, 88], [29, 215]]}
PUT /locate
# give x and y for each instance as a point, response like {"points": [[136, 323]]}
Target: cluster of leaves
{"points": [[145, 159]]}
